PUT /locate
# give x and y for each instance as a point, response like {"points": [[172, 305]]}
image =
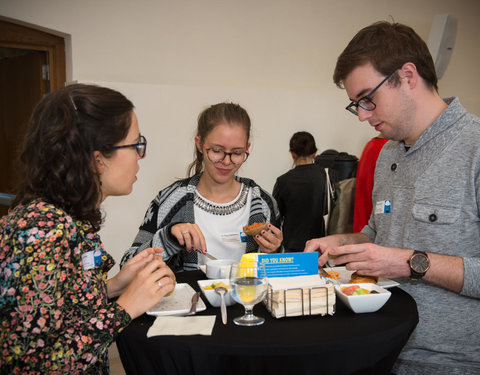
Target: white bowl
{"points": [[213, 297], [364, 303], [218, 268]]}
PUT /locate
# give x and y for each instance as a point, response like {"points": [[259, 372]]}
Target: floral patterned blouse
{"points": [[55, 316]]}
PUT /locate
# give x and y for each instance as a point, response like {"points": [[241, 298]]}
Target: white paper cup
{"points": [[219, 269]]}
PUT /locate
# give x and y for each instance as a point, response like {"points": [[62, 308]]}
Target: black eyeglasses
{"points": [[140, 146], [366, 102], [216, 155]]}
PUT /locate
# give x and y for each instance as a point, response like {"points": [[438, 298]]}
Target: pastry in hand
{"points": [[358, 279], [255, 228], [174, 284]]}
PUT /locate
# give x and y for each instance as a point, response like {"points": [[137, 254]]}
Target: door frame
{"points": [[18, 36]]}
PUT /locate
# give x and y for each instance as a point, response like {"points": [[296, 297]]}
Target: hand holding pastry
{"points": [[269, 239]]}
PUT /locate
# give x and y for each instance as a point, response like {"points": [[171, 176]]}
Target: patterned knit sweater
{"points": [[174, 205]]}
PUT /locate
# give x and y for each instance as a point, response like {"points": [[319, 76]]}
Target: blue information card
{"points": [[289, 264]]}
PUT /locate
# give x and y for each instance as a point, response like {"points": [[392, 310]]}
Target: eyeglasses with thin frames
{"points": [[216, 155], [140, 146], [366, 101]]}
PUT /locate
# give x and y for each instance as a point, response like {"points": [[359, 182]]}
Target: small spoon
{"points": [[221, 290]]}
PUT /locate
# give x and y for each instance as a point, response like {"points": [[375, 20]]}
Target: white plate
{"points": [[177, 304], [346, 274]]}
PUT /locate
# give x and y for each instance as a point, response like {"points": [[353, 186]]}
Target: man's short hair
{"points": [[387, 46]]}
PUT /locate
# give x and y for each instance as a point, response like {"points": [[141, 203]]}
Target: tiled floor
{"points": [[116, 367]]}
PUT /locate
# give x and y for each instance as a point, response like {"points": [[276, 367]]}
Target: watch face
{"points": [[420, 263]]}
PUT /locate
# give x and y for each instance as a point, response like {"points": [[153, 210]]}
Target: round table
{"points": [[345, 343]]}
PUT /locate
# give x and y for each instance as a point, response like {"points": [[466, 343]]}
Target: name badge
{"points": [[383, 207], [231, 238], [243, 237], [92, 259]]}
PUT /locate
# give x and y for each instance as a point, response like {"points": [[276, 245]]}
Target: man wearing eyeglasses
{"points": [[425, 225]]}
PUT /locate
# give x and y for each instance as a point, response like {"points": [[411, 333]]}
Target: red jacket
{"points": [[364, 183]]}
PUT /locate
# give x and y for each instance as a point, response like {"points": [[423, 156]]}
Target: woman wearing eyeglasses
{"points": [[207, 211], [56, 310]]}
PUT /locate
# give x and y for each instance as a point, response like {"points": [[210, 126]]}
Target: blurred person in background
{"points": [[301, 195], [364, 182]]}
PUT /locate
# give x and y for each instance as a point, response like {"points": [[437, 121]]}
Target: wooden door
{"points": [[32, 63], [21, 87]]}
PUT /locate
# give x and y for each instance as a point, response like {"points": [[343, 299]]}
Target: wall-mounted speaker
{"points": [[441, 41]]}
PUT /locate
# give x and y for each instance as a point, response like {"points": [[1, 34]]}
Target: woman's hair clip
{"points": [[73, 103]]}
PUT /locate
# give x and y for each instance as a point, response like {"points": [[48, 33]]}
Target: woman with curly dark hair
{"points": [[56, 314]]}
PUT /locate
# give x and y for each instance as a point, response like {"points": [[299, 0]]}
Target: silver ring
{"points": [[159, 284], [185, 232]]}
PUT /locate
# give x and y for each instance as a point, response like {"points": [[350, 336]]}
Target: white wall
{"points": [[274, 57]]}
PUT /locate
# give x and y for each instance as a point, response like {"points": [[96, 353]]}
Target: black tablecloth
{"points": [[345, 343]]}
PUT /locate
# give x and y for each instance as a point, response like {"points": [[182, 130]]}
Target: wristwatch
{"points": [[419, 264]]}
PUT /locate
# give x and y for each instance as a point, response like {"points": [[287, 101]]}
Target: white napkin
{"points": [[279, 283], [182, 325]]}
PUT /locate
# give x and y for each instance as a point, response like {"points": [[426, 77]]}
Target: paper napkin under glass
{"points": [[182, 325]]}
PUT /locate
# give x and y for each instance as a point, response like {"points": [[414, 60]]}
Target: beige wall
{"points": [[274, 57]]}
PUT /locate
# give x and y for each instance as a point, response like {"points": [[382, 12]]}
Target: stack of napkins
{"points": [[300, 295]]}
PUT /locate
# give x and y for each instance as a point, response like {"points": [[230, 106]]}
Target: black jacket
{"points": [[302, 201]]}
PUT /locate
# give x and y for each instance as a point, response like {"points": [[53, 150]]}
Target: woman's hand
{"points": [[154, 281], [190, 236], [269, 240], [119, 282]]}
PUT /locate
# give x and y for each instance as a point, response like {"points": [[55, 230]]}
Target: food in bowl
{"points": [[214, 285], [212, 296], [364, 303], [355, 290], [255, 228]]}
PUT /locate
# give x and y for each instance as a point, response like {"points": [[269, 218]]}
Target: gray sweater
{"points": [[434, 189]]}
